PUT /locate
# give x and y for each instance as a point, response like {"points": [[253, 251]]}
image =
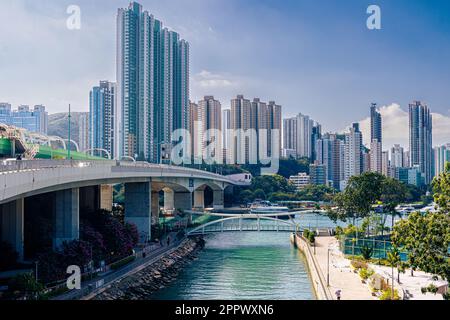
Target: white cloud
{"points": [[206, 79], [396, 127]]}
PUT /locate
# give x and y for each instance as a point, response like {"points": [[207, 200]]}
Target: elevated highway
{"points": [[71, 185]]}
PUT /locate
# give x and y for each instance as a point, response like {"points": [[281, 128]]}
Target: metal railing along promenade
{"points": [[93, 287]]}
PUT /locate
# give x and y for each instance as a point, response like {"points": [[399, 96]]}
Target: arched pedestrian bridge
{"points": [[65, 187], [247, 222]]}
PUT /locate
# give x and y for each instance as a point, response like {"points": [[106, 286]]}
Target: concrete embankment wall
{"points": [[143, 283], [318, 280]]}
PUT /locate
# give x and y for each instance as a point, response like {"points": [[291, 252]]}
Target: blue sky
{"points": [[314, 57]]}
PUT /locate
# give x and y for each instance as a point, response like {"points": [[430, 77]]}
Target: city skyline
{"points": [[223, 139], [225, 75]]}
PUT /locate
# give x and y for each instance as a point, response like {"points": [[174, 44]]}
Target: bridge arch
{"points": [[201, 229], [209, 193], [176, 196]]}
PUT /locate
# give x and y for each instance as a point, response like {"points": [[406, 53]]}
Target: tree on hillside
{"points": [[272, 183], [291, 167], [316, 193]]}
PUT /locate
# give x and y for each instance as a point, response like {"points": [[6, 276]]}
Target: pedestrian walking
{"points": [[338, 294]]}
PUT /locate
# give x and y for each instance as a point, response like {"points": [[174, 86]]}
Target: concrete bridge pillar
{"points": [[183, 200], [218, 199], [106, 197], [155, 208], [169, 200], [138, 207], [96, 198], [199, 199], [67, 216], [11, 222], [90, 199]]}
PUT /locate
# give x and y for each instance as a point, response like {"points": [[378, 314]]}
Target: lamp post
{"points": [[68, 147], [36, 270], [328, 267]]}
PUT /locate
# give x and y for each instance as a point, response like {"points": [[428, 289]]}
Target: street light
{"points": [[36, 270], [328, 267], [68, 149]]}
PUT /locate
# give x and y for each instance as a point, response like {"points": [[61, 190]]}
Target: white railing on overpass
{"points": [[23, 165], [24, 178]]}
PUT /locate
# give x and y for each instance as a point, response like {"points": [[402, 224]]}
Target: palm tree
{"points": [[393, 258], [366, 252]]}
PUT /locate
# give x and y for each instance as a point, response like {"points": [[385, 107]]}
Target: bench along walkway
{"points": [[341, 276], [93, 287]]}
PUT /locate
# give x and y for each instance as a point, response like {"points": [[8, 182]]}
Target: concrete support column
{"points": [[106, 197], [138, 208], [199, 199], [155, 208], [67, 216], [169, 200], [183, 200], [90, 199], [218, 199], [11, 221]]}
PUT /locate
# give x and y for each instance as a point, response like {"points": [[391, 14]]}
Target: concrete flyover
{"points": [[73, 184]]}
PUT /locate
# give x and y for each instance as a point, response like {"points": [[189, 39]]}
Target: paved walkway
{"points": [[341, 276], [105, 279]]}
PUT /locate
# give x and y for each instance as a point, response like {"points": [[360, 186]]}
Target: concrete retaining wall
{"points": [[318, 280]]}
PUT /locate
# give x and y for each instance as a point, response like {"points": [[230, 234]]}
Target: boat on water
{"points": [[268, 208]]}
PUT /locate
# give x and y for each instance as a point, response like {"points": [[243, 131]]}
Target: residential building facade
{"points": [[420, 139], [152, 84]]}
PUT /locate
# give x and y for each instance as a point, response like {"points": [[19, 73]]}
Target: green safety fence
{"points": [[380, 248]]}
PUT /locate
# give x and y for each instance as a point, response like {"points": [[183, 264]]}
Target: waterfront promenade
{"points": [[341, 276], [90, 288]]}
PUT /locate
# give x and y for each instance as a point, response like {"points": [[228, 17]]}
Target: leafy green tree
{"points": [[356, 201], [282, 196], [426, 238], [259, 194], [290, 167], [441, 188], [272, 183], [316, 193], [393, 193], [27, 285], [246, 196]]}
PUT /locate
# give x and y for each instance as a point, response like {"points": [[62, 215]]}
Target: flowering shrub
{"points": [[102, 237], [387, 295], [95, 239]]}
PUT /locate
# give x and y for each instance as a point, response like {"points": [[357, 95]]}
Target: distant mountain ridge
{"points": [[58, 125]]}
